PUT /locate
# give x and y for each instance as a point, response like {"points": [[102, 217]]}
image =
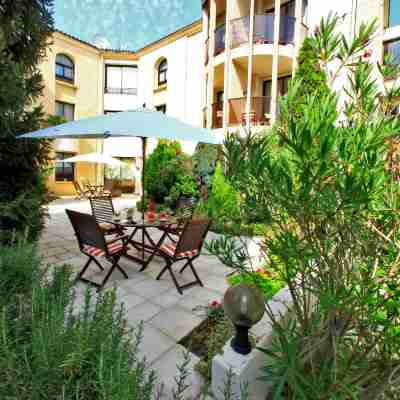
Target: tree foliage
{"points": [[326, 184], [25, 29], [163, 169]]}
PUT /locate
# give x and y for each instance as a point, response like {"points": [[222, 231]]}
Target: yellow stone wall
{"points": [[86, 95]]}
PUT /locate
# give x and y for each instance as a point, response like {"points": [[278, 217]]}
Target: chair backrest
{"points": [[184, 210], [78, 187], [102, 208], [86, 230], [193, 235]]}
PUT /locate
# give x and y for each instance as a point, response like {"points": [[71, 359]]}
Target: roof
{"points": [[184, 29]]}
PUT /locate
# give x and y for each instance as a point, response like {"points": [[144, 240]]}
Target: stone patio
{"points": [[167, 316]]}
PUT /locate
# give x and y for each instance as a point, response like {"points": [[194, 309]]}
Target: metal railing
{"points": [[217, 115], [263, 30], [260, 109]]}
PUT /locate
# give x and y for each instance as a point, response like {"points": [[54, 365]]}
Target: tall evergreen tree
{"points": [[25, 31]]}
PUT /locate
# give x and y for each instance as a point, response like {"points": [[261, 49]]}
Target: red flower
{"points": [[259, 270], [367, 53], [215, 303]]}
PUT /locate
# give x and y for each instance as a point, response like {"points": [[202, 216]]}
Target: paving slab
{"points": [[154, 343], [176, 322], [167, 369], [142, 312]]}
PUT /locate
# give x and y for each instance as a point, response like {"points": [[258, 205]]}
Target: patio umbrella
{"points": [[95, 158], [143, 123]]}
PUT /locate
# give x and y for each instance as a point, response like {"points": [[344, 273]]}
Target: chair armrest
{"points": [[122, 237]]}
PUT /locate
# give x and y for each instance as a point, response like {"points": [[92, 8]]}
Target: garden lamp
{"points": [[244, 304]]}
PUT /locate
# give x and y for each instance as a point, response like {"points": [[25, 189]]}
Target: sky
{"points": [[124, 24]]}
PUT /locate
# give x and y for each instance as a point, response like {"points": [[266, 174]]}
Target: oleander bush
{"points": [[329, 184]]}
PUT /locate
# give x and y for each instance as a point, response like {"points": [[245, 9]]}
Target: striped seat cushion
{"points": [[169, 249], [95, 252], [107, 226]]}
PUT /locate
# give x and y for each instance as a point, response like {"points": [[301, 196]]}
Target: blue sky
{"points": [[124, 24]]}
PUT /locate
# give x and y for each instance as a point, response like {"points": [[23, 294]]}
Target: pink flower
{"points": [[215, 303], [367, 53], [259, 270]]}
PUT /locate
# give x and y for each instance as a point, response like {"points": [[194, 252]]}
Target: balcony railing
{"points": [[263, 30], [217, 115], [219, 40], [260, 109]]}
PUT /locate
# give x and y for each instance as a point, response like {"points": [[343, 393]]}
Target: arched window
{"points": [[162, 72], [65, 68]]}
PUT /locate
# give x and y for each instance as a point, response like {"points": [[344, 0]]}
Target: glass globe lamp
{"points": [[244, 304]]}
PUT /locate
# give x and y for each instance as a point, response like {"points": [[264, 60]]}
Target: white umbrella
{"points": [[95, 158]]}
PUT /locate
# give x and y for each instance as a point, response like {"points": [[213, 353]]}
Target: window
{"points": [[65, 68], [162, 108], [392, 48], [121, 79], [283, 86], [393, 13], [287, 9], [65, 110], [65, 171], [162, 72]]}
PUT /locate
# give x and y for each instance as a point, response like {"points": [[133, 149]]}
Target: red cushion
{"points": [[169, 249], [95, 252]]}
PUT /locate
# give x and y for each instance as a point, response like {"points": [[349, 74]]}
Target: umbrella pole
{"points": [[144, 145]]}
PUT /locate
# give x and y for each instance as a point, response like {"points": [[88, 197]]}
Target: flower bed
{"points": [[208, 339], [268, 283]]}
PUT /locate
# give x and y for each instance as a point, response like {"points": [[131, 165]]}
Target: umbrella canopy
{"points": [[140, 123], [95, 158]]}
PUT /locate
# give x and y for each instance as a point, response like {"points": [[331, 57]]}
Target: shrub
{"points": [[205, 160], [269, 283], [222, 204], [333, 240], [48, 350], [163, 168], [25, 31]]}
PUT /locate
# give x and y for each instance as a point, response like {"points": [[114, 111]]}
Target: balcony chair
{"points": [[93, 244], [188, 248], [103, 211], [184, 212]]}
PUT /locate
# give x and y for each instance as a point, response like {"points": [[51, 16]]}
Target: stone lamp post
{"points": [[244, 304]]}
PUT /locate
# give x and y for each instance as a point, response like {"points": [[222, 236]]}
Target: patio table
{"points": [[146, 244]]}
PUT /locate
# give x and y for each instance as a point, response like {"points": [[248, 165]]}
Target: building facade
{"points": [[82, 80], [223, 72], [251, 49]]}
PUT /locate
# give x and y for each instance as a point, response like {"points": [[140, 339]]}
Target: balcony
{"points": [[217, 115], [260, 109], [263, 30]]}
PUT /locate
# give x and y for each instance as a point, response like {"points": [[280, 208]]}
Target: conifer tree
{"points": [[25, 31]]}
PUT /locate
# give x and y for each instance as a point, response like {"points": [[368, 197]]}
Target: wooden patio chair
{"points": [[184, 214], [103, 211], [82, 194], [93, 244], [188, 248]]}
